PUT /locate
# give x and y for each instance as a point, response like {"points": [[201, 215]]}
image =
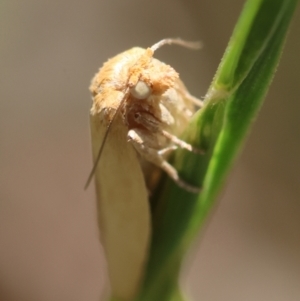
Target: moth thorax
{"points": [[141, 90]]}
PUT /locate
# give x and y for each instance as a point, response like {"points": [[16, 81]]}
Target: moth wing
{"points": [[123, 209]]}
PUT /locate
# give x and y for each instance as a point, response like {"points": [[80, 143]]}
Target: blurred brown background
{"points": [[49, 247]]}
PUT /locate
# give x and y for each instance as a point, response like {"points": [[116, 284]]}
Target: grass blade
{"points": [[220, 128]]}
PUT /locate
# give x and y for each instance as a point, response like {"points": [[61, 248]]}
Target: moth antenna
{"points": [[180, 42], [103, 142]]}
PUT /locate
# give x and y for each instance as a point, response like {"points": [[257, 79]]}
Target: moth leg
{"points": [[166, 151], [153, 125], [181, 143], [196, 101], [189, 97], [144, 143]]}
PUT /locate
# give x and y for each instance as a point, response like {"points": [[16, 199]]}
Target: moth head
{"points": [[141, 90], [160, 77], [150, 76]]}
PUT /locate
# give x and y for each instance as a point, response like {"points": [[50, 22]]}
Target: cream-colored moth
{"points": [[140, 107]]}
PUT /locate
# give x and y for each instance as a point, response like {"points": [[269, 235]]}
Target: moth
{"points": [[153, 103], [140, 108]]}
